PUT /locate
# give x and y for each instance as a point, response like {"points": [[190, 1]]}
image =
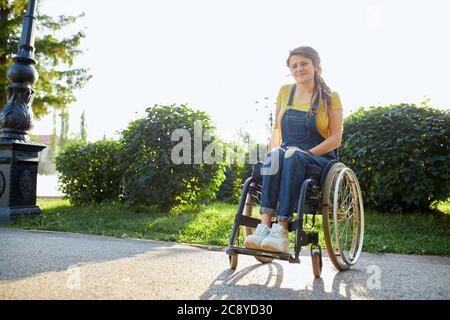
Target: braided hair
{"points": [[320, 89]]}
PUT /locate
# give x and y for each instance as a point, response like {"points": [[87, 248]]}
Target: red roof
{"points": [[46, 139]]}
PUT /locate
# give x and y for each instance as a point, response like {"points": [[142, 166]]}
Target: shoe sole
{"points": [[251, 245], [268, 247]]}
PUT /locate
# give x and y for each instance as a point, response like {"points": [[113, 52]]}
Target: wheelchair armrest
{"points": [[256, 173], [313, 172]]}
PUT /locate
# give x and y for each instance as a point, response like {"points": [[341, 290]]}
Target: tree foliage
{"points": [[64, 135], [245, 153], [58, 79], [83, 127]]}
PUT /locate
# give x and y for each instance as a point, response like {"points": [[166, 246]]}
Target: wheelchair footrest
{"points": [[262, 253]]}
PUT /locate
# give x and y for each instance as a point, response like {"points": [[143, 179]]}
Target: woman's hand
{"points": [[334, 140]]}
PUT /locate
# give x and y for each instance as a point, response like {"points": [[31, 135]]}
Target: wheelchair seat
{"points": [[313, 171]]}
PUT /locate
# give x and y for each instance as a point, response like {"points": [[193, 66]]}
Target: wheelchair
{"points": [[332, 193]]}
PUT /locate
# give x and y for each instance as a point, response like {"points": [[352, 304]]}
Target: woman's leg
{"points": [[278, 238], [292, 177], [271, 171], [271, 174]]}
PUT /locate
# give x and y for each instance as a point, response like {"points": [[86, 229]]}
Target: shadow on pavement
{"points": [[230, 285], [27, 253]]}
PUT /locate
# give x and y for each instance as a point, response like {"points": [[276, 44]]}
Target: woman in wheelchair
{"points": [[308, 128]]}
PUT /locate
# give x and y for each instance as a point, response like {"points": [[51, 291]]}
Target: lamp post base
{"points": [[18, 178], [8, 215]]}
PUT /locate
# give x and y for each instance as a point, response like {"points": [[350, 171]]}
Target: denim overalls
{"points": [[284, 169]]}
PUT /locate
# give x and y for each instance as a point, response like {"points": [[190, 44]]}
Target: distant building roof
{"points": [[46, 139]]}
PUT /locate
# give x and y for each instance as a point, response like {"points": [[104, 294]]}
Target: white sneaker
{"points": [[254, 240], [277, 240]]}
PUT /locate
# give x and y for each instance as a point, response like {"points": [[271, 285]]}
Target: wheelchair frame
{"points": [[311, 201]]}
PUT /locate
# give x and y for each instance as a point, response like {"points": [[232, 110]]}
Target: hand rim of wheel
{"points": [[326, 194], [350, 175]]}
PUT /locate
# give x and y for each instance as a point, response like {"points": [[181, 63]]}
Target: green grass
{"points": [[414, 233], [417, 233], [208, 225]]}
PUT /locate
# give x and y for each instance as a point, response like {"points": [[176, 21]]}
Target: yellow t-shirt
{"points": [[322, 116]]}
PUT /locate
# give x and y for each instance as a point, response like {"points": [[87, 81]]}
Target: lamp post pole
{"points": [[19, 156]]}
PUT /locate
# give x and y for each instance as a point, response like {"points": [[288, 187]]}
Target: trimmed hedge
{"points": [[88, 172], [400, 154], [150, 175]]}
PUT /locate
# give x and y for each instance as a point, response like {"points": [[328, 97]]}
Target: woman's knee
{"points": [[295, 154], [276, 152], [274, 160]]}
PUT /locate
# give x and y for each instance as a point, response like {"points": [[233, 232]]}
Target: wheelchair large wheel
{"points": [[343, 216], [248, 210]]}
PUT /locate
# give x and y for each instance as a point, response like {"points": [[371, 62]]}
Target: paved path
{"points": [[51, 265]]}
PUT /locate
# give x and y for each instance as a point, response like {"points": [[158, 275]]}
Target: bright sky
{"points": [[222, 56]]}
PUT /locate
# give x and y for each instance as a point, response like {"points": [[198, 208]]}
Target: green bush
{"points": [[400, 155], [149, 174], [88, 172], [240, 169], [230, 190]]}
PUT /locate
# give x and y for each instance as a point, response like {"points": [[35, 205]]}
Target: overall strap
{"points": [[291, 96], [315, 105]]}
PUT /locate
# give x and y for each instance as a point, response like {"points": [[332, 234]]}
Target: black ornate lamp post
{"points": [[18, 155]]}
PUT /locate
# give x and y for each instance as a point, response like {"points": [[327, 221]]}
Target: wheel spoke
{"points": [[345, 200], [342, 232]]}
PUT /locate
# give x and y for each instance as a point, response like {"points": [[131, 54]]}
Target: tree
{"points": [[83, 129], [64, 135], [58, 80], [53, 138]]}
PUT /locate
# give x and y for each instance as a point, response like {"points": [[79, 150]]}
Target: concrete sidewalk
{"points": [[53, 265]]}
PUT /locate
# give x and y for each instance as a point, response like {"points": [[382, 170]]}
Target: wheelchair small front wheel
{"points": [[343, 216], [233, 257], [316, 258]]}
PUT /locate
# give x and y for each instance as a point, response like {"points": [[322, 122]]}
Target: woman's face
{"points": [[302, 69]]}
